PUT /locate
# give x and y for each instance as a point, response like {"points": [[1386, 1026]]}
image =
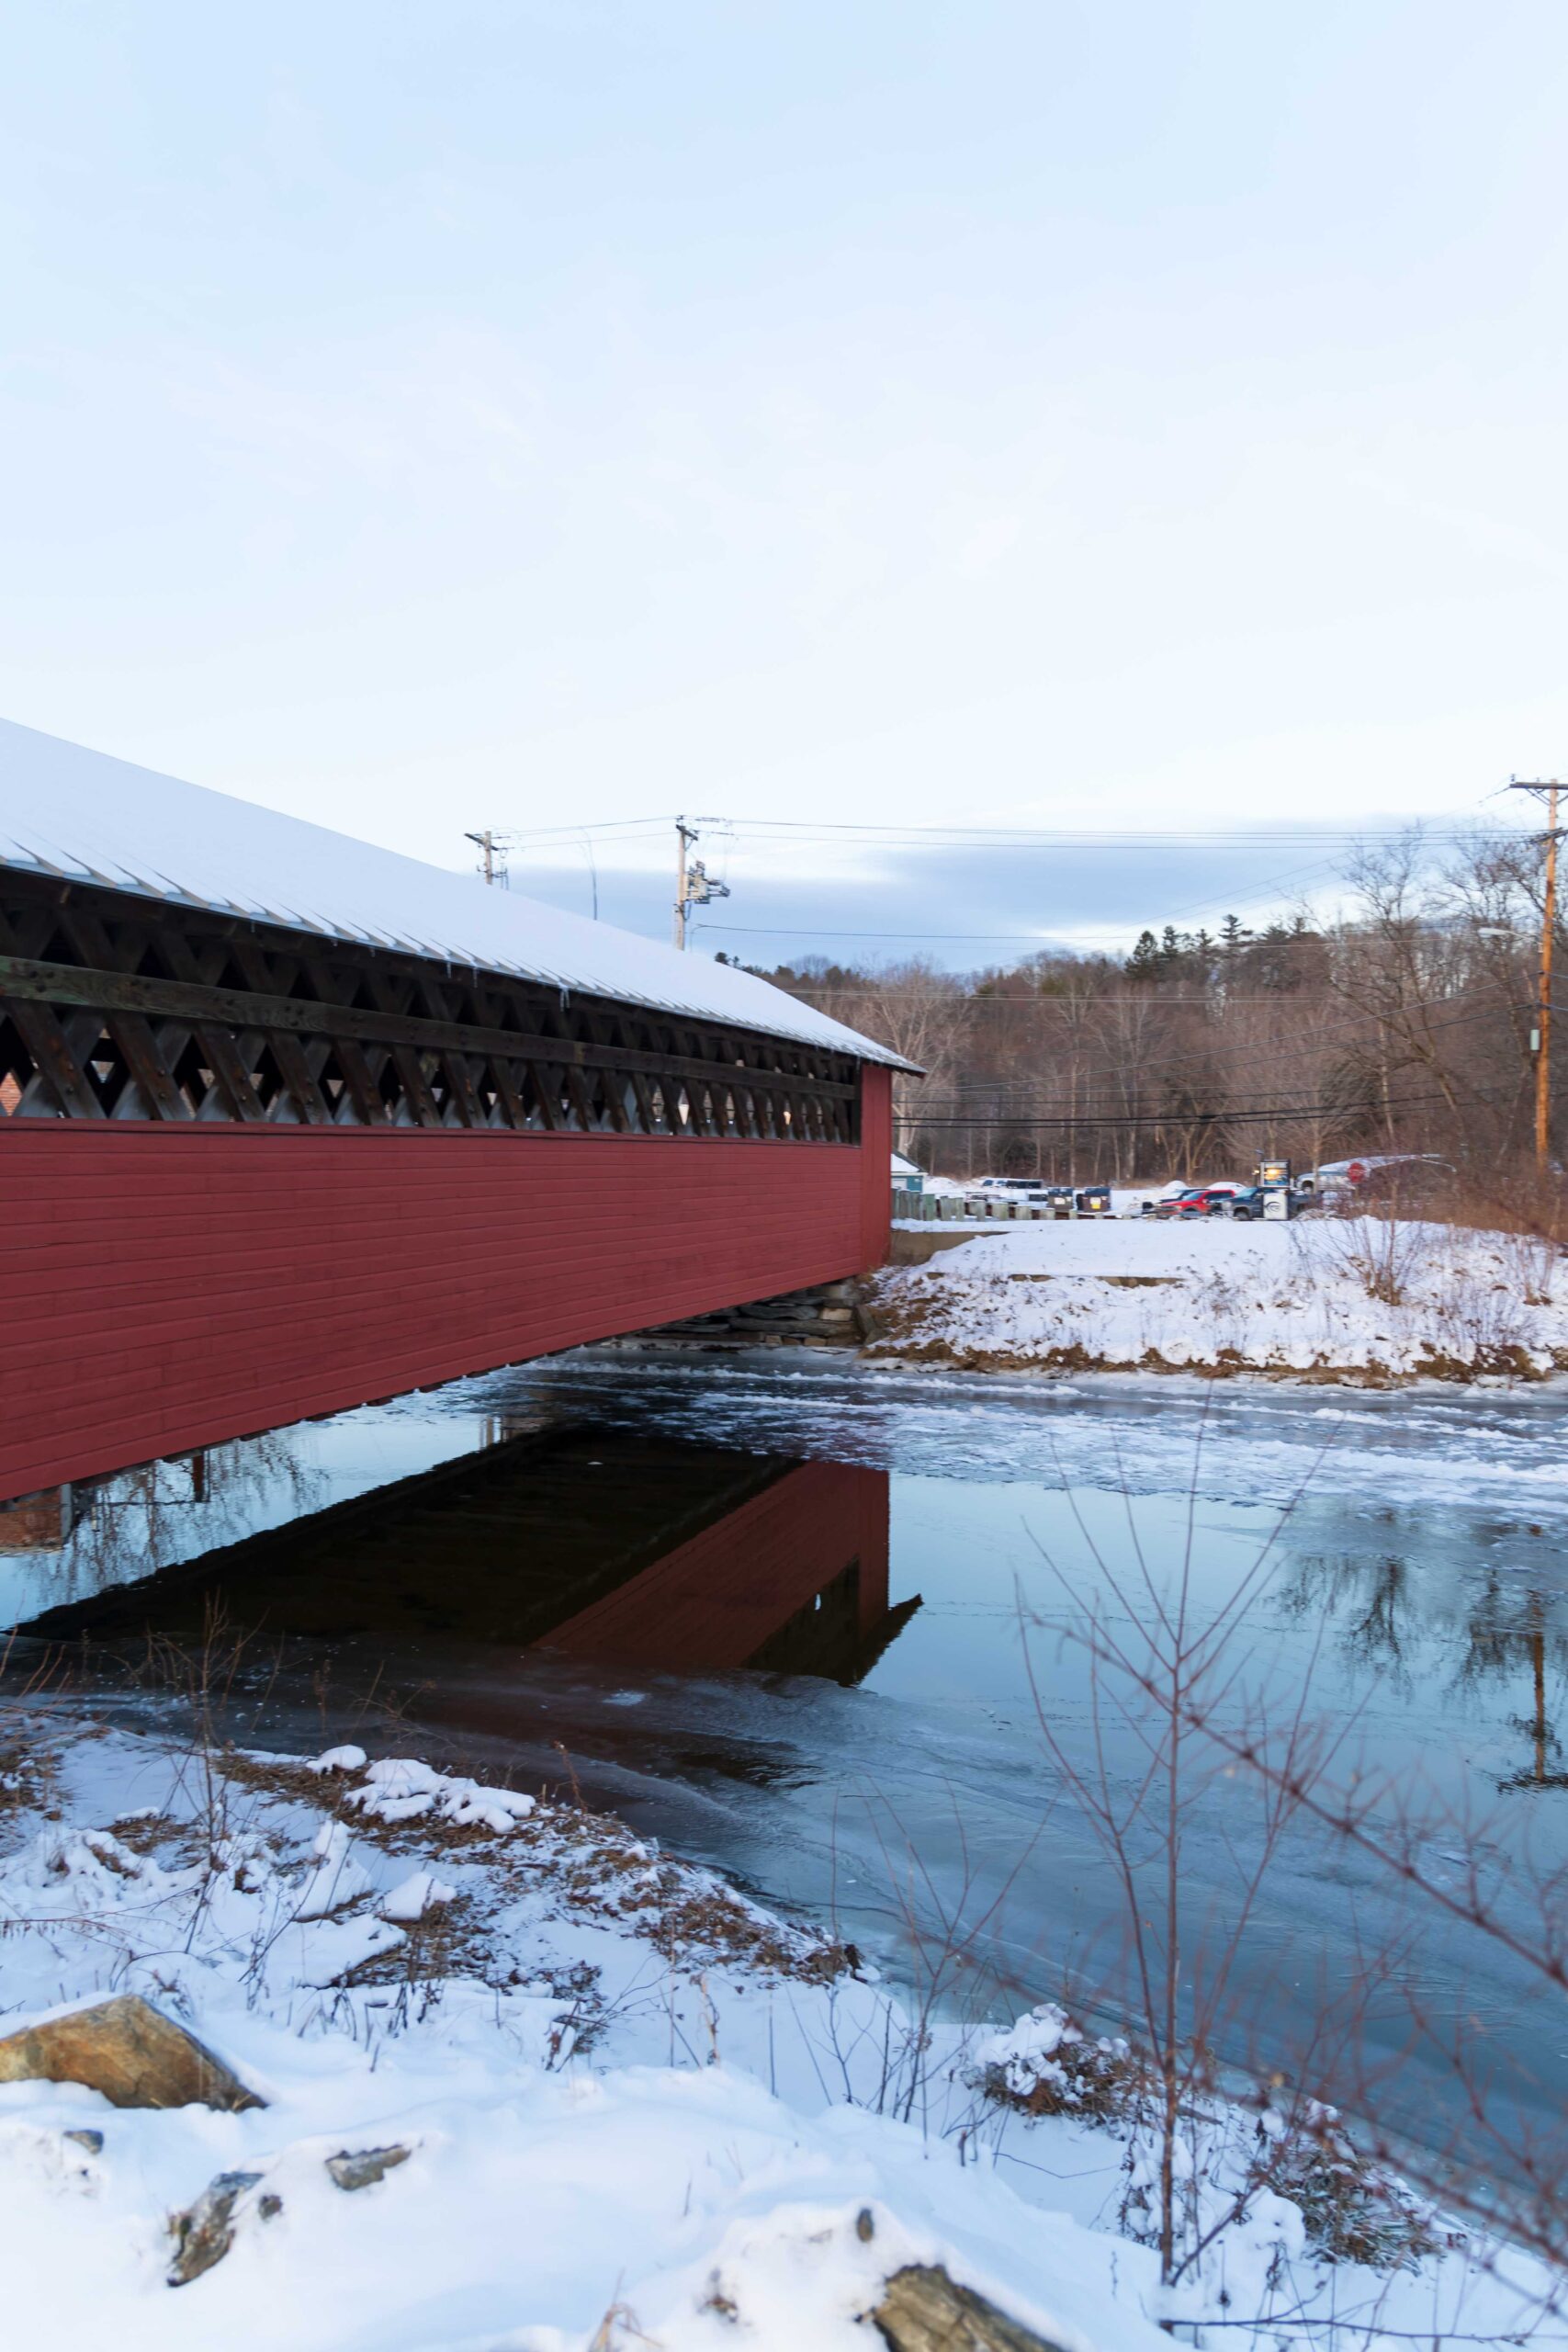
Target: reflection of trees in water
{"points": [[1505, 1635], [1367, 1599], [138, 1520], [1511, 1637]]}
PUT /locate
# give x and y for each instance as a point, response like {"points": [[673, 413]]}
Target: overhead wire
{"points": [[1278, 1113], [805, 931], [1276, 1060], [853, 832], [1442, 830], [627, 825], [862, 833]]}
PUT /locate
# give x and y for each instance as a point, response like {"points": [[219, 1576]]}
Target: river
{"points": [[827, 1627]]}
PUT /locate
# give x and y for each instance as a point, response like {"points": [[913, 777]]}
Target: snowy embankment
{"points": [[625, 2095], [1357, 1298], [522, 2082]]}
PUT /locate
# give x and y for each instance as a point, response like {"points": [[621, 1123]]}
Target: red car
{"points": [[1198, 1200]]}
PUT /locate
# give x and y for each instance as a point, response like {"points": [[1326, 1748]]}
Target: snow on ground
{"points": [[637, 2110], [1367, 1296]]}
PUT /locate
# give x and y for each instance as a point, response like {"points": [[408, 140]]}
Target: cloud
{"points": [[964, 908]]}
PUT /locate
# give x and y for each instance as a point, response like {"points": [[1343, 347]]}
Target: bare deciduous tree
{"points": [[1404, 1025]]}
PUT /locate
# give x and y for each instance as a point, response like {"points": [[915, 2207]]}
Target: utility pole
{"points": [[685, 836], [1550, 786], [487, 848], [693, 885]]}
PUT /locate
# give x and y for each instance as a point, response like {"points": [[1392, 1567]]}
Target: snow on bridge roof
{"points": [[89, 818]]}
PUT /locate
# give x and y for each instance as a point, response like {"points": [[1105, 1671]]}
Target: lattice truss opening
{"points": [[110, 1009]]}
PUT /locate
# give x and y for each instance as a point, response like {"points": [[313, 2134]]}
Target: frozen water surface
{"points": [[668, 1572]]}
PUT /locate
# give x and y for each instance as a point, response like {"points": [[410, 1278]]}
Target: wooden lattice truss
{"points": [[118, 1008]]}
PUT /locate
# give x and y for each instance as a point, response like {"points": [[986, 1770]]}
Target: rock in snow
{"points": [[204, 2233], [365, 2167], [923, 2311], [130, 2052]]}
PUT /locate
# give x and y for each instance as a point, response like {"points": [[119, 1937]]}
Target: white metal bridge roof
{"points": [[89, 818]]}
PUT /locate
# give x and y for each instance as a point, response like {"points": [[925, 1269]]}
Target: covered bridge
{"points": [[289, 1123]]}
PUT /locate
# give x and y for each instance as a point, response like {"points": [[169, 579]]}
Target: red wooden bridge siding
{"points": [[167, 1286]]}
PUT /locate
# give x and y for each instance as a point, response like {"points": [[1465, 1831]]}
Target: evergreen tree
{"points": [[1146, 962]]}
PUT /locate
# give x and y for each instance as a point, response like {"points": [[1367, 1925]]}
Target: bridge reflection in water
{"points": [[583, 1543]]}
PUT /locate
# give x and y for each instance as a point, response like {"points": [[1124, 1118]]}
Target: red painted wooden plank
{"points": [[164, 1287]]}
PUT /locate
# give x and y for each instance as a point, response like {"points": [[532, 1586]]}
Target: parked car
{"points": [[1007, 1192], [1246, 1204], [1032, 1192], [1160, 1201], [1197, 1200]]}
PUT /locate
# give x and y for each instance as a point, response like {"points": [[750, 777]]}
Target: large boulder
{"points": [[130, 2052], [922, 2309]]}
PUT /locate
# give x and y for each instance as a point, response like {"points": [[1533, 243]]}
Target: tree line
{"points": [[1404, 1023]]}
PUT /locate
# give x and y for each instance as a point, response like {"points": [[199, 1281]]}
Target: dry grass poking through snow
{"points": [[1352, 2208], [27, 1778], [591, 1865], [28, 1766], [1367, 1301]]}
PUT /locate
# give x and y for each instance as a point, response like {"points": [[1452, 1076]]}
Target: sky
{"points": [[1142, 417]]}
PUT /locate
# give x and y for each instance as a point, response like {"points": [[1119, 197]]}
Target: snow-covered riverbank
{"points": [[1359, 1299], [594, 2098]]}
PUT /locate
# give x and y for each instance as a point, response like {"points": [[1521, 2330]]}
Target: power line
{"points": [[1043, 940], [1277, 1060], [1060, 837], [804, 931], [847, 991], [1095, 1073], [603, 825], [1103, 1102], [1277, 1112], [1042, 837]]}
